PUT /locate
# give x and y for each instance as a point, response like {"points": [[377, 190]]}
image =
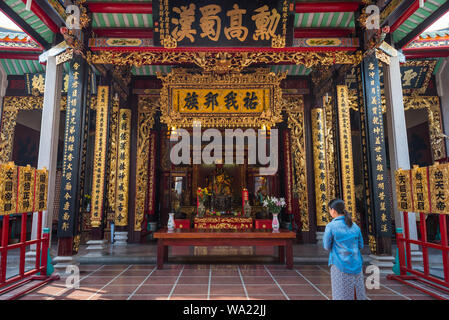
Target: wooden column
{"points": [[377, 168], [71, 180]]}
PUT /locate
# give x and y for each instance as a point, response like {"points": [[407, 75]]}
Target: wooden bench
{"points": [[187, 237]]}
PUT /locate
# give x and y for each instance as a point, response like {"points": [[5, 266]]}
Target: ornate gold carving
{"points": [[147, 106], [294, 106], [432, 105], [372, 243], [382, 56], [329, 134], [11, 106], [64, 57], [389, 9], [238, 60], [260, 79], [353, 100], [420, 63]]}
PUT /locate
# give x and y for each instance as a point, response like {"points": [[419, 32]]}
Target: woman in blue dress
{"points": [[344, 240]]}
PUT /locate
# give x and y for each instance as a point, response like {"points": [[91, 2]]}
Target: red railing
{"points": [[13, 284], [407, 272]]}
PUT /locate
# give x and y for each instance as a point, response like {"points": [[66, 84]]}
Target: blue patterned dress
{"points": [[345, 259]]}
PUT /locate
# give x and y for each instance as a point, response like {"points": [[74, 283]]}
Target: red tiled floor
{"points": [[266, 289], [166, 273], [226, 280], [37, 297], [258, 280], [200, 282], [386, 297], [125, 289], [196, 273], [267, 297], [227, 273], [254, 273], [155, 289], [193, 280], [136, 273], [149, 297], [227, 297], [307, 297], [227, 289], [189, 297], [160, 280], [96, 280], [291, 280], [109, 297], [299, 289], [122, 280], [190, 289]]}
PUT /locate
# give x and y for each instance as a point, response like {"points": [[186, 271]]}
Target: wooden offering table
{"points": [[206, 237]]}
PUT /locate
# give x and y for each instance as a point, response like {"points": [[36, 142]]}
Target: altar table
{"points": [[204, 237]]}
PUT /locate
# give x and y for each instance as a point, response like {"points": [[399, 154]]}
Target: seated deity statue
{"points": [[221, 185]]}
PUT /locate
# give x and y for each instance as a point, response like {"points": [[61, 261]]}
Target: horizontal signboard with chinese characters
{"points": [[215, 100], [204, 23], [228, 100]]}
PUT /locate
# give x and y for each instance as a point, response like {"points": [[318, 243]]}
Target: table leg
{"points": [[281, 254], [165, 253], [289, 249], [160, 254]]}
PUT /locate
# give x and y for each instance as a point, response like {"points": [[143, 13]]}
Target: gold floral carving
{"points": [[294, 107], [147, 106], [210, 61], [11, 107], [353, 99], [432, 105], [382, 56], [64, 57], [261, 78], [329, 140]]}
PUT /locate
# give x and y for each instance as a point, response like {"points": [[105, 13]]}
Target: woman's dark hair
{"points": [[339, 206]]}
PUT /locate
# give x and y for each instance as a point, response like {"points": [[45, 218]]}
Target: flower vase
{"points": [[171, 221], [275, 222]]}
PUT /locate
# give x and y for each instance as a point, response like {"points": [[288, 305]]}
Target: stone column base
{"points": [[121, 238], [61, 264], [95, 247], [384, 263], [319, 238], [30, 256]]}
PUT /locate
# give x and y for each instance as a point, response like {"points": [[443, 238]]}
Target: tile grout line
{"points": [[208, 287], [117, 276], [243, 283], [85, 277], [311, 283], [176, 282], [140, 285], [394, 291], [429, 289], [368, 298], [283, 292], [366, 295]]}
